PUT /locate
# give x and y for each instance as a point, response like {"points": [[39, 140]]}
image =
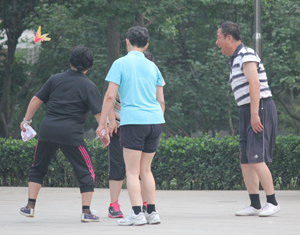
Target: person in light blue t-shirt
{"points": [[140, 86]]}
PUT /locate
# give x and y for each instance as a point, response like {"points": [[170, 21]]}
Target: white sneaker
{"points": [[152, 218], [133, 219], [249, 210], [269, 209]]}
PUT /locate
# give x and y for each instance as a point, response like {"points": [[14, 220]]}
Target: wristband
{"points": [[28, 122]]}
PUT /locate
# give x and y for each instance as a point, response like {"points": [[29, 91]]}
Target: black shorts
{"points": [[256, 148], [78, 157], [144, 138], [116, 160]]}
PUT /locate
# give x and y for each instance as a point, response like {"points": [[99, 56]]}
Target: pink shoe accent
{"points": [[115, 205], [118, 216]]}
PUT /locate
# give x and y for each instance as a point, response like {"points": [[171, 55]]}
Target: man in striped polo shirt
{"points": [[258, 118]]}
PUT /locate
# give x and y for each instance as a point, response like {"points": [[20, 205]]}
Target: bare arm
{"points": [[250, 71], [33, 106], [112, 126], [160, 97], [106, 107]]}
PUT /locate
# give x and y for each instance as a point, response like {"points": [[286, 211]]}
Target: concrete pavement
{"points": [[58, 211]]}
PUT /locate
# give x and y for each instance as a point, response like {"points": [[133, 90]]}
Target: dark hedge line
{"points": [[180, 163]]}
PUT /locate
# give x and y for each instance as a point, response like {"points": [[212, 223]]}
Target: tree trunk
{"points": [[13, 14], [113, 46]]}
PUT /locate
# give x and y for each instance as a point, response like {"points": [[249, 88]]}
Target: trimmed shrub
{"points": [[203, 163]]}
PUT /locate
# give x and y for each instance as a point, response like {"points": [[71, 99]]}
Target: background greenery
{"points": [[182, 38], [209, 163]]}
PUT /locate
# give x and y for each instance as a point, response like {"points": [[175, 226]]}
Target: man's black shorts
{"points": [[256, 148], [144, 138]]}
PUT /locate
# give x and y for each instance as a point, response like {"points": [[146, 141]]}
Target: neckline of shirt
{"points": [[137, 53]]}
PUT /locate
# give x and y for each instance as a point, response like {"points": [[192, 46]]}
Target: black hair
{"points": [[233, 29], [138, 36], [81, 58], [149, 55]]}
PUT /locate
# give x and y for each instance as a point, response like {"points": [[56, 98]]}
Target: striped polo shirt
{"points": [[117, 108], [238, 81]]}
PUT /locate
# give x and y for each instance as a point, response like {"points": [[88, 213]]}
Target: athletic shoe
{"points": [[89, 218], [144, 207], [133, 219], [249, 210], [114, 210], [152, 218], [269, 209], [27, 212]]}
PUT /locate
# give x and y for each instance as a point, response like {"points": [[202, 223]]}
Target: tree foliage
{"points": [[182, 38]]}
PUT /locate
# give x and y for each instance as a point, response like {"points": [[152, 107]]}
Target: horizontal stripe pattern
{"points": [[238, 81]]}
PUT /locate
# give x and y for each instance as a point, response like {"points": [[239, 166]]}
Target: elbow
{"points": [[36, 100], [109, 96]]}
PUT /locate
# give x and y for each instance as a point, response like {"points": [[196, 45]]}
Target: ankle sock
{"points": [[31, 203], [86, 210], [136, 209], [255, 202], [150, 208], [271, 199]]}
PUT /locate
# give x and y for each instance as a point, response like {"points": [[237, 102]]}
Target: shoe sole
{"points": [[27, 215], [248, 215], [156, 222], [118, 216], [268, 215], [86, 221], [134, 224]]}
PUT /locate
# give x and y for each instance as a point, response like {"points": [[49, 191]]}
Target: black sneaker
{"points": [[114, 210]]}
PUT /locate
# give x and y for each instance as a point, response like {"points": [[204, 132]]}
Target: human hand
{"points": [[22, 125], [103, 135], [256, 124]]}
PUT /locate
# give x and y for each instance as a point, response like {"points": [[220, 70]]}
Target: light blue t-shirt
{"points": [[137, 78]]}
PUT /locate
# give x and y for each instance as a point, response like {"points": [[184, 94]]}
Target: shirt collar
{"points": [[235, 53], [74, 72], [138, 53]]}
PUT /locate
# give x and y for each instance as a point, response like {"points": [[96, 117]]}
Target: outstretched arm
{"points": [[33, 106]]}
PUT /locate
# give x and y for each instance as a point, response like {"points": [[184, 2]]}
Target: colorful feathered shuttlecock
{"points": [[39, 38]]}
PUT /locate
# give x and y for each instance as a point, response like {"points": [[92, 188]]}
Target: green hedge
{"points": [[180, 163]]}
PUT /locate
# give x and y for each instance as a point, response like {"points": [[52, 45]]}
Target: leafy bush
{"points": [[204, 163]]}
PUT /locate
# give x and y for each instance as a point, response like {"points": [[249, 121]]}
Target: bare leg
{"points": [[115, 189], [255, 173], [132, 160], [33, 191], [144, 196], [148, 181], [86, 198], [265, 177], [250, 178]]}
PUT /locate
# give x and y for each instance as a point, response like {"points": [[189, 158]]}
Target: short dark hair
{"points": [[81, 58], [149, 55], [233, 29], [138, 36]]}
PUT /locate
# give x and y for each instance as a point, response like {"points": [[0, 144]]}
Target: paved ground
{"points": [[182, 212]]}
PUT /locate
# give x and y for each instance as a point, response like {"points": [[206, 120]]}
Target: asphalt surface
{"points": [[58, 211]]}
